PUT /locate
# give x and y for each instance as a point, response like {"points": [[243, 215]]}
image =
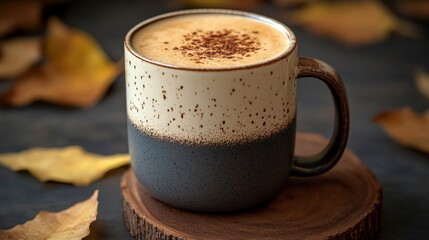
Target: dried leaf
{"points": [[414, 8], [70, 224], [19, 15], [76, 73], [68, 165], [237, 4], [352, 22], [406, 127], [422, 82], [17, 55]]}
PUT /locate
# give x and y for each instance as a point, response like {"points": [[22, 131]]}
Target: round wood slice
{"points": [[343, 203]]}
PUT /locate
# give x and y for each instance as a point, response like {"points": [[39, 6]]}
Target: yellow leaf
{"points": [[17, 55], [422, 82], [352, 22], [76, 73], [70, 224], [68, 165], [406, 127]]}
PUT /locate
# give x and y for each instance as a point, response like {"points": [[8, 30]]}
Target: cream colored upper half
{"points": [[210, 41]]}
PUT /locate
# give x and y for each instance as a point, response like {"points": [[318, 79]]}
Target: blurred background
{"points": [[379, 48]]}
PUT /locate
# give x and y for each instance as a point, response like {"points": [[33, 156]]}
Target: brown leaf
{"points": [[76, 73], [422, 82], [406, 127], [19, 15], [17, 55], [70, 224], [237, 4], [418, 9], [352, 22], [68, 165]]}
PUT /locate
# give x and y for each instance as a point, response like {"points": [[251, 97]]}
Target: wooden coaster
{"points": [[344, 203]]}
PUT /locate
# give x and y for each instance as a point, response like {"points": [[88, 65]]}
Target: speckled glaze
{"points": [[212, 139], [204, 107]]}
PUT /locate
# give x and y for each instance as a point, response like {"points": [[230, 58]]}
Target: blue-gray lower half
{"points": [[212, 178]]}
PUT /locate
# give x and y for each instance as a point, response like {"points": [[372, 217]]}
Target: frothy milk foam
{"points": [[209, 40], [210, 107]]}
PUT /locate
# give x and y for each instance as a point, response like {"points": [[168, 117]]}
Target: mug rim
{"points": [[274, 23]]}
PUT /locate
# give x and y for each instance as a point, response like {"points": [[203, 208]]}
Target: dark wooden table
{"points": [[377, 77]]}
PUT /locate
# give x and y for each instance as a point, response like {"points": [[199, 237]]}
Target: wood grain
{"points": [[344, 203]]}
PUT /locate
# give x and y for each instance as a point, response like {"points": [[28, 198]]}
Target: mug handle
{"points": [[329, 156]]}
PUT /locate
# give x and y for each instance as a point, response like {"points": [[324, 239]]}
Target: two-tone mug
{"points": [[211, 103]]}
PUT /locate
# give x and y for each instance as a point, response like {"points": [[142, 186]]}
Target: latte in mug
{"points": [[211, 108], [210, 41]]}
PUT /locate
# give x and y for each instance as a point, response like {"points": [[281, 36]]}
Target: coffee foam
{"points": [[212, 107], [209, 40]]}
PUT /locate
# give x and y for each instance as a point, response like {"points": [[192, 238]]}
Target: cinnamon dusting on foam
{"points": [[210, 41], [220, 44]]}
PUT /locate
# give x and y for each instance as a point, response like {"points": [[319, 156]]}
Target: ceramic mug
{"points": [[223, 139]]}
